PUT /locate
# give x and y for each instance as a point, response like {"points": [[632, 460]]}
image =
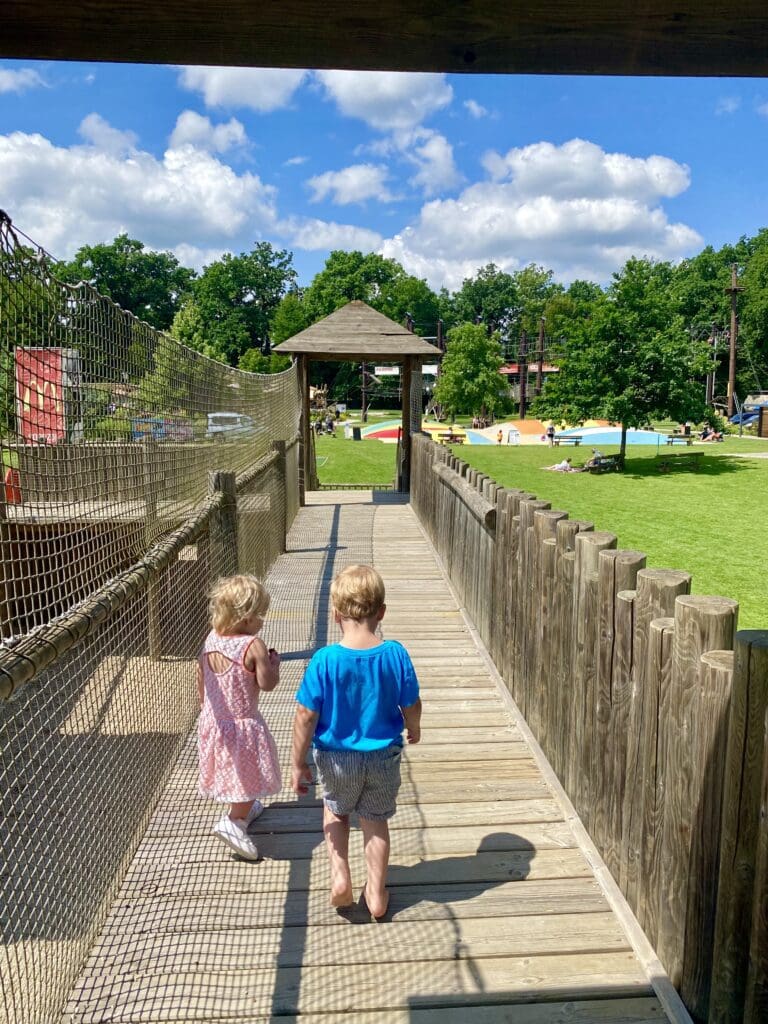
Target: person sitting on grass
{"points": [[710, 434], [563, 467]]}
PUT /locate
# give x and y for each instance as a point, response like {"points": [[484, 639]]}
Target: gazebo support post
{"points": [[405, 464], [305, 477]]}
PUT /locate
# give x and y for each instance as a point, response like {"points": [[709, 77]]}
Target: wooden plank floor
{"points": [[495, 912]]}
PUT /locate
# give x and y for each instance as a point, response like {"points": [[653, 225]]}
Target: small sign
{"points": [[387, 371]]}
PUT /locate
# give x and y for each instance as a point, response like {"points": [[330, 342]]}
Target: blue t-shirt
{"points": [[358, 695]]}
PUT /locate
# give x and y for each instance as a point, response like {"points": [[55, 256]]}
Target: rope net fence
{"points": [[135, 472]]}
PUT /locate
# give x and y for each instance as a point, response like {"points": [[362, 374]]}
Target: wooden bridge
{"points": [[501, 908]]}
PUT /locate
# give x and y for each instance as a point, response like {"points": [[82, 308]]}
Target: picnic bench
{"points": [[574, 439], [672, 439], [668, 461], [448, 437], [605, 464]]}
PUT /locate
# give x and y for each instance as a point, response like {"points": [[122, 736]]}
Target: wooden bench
{"points": [[448, 437], [606, 464], [668, 462], [574, 439], [672, 439]]}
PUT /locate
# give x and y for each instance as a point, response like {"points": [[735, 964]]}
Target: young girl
{"points": [[237, 754]]}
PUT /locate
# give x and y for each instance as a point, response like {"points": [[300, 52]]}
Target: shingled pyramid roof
{"points": [[357, 332]]}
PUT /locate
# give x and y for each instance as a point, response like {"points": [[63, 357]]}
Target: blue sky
{"points": [[443, 173]]}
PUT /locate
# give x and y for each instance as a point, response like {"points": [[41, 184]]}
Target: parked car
{"points": [[224, 426]]}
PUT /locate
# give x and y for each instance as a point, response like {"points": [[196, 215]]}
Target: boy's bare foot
{"points": [[378, 905], [342, 897]]}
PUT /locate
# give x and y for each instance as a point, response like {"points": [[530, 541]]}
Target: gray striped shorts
{"points": [[366, 781]]}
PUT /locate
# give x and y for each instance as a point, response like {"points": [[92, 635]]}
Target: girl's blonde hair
{"points": [[357, 592], [233, 599]]}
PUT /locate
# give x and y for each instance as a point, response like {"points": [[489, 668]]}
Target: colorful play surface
{"points": [[514, 432]]}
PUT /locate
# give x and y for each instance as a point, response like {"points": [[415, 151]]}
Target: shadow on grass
{"points": [[707, 465]]}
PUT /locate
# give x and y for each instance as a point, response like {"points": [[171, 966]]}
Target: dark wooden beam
{"points": [[653, 37]]}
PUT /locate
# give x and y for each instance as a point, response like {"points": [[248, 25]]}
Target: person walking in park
{"points": [[354, 699], [550, 432], [237, 755]]}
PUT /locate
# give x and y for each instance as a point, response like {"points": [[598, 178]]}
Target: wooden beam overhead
{"points": [[656, 37]]}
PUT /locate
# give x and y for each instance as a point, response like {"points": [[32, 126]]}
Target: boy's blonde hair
{"points": [[357, 592], [233, 599]]}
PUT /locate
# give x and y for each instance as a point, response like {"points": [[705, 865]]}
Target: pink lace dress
{"points": [[237, 754]]}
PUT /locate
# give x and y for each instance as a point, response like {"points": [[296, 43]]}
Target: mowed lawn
{"points": [[713, 523]]}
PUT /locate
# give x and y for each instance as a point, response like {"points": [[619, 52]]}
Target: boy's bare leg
{"points": [[336, 831], [376, 840]]}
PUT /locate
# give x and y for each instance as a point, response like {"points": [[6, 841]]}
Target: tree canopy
{"points": [[632, 359], [469, 380], [233, 302], [151, 285]]}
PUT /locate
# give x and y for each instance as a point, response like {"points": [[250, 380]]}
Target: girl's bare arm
{"points": [[200, 688], [264, 664]]}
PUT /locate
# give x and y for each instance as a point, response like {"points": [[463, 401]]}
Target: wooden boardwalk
{"points": [[496, 913]]}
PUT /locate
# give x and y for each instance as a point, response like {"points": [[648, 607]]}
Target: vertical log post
{"points": [[617, 571], [305, 448], [756, 1007], [405, 465], [282, 468], [585, 638], [150, 468], [223, 525], [657, 590], [701, 624], [745, 756], [714, 692]]}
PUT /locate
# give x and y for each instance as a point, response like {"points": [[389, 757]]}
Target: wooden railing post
{"points": [[150, 467], [584, 677], [617, 573], [742, 826], [282, 468], [701, 624], [223, 525], [656, 592]]}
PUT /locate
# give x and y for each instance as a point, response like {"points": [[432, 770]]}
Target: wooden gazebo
{"points": [[358, 333]]}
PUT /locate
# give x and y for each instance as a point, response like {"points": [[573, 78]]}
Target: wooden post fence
{"points": [[650, 708]]}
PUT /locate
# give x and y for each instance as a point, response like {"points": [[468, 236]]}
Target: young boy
{"points": [[352, 703]]}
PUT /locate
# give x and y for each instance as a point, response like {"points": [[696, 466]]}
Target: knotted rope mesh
{"points": [[135, 471]]}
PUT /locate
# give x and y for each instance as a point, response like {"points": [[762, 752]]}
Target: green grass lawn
{"points": [[711, 523], [354, 462]]}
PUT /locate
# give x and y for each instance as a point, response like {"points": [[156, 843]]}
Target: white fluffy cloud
{"points": [[193, 129], [727, 105], [316, 235], [260, 89], [387, 100], [65, 197], [580, 169], [432, 155], [574, 208], [353, 184], [100, 134], [477, 110], [19, 81]]}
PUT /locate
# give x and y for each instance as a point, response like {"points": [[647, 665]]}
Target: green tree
{"points": [[469, 379], [255, 361], [536, 288], [490, 297], [151, 285], [632, 360], [289, 318], [752, 353], [233, 302]]}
